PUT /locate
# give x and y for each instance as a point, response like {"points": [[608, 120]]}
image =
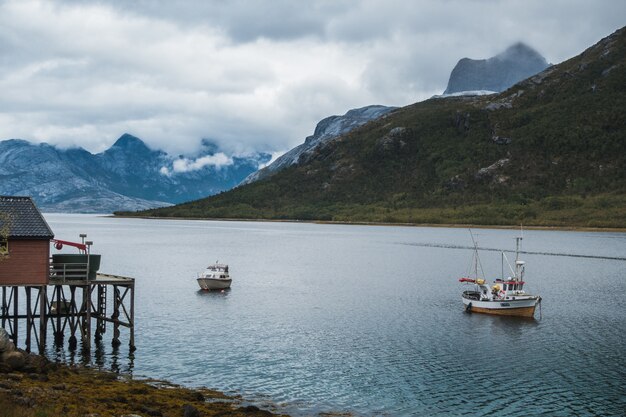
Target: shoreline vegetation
{"points": [[372, 223], [77, 391]]}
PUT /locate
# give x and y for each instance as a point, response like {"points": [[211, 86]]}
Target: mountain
{"points": [[127, 176], [497, 73], [548, 151], [326, 130]]}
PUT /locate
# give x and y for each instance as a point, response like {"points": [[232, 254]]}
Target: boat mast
{"points": [[518, 264], [474, 255], [476, 258]]}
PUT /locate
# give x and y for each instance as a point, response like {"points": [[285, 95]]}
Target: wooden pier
{"points": [[78, 308]]}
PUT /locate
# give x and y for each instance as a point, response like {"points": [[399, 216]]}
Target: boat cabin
{"points": [[24, 243], [216, 271], [508, 288]]}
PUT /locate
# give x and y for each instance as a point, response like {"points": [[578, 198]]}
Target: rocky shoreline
{"points": [[33, 386]]}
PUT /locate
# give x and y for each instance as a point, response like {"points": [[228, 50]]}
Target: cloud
{"points": [[218, 161], [252, 75]]}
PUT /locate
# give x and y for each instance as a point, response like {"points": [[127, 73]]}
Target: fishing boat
{"points": [[215, 277], [505, 296]]}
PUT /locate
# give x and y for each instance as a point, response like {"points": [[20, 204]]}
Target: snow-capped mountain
{"points": [[326, 130], [497, 73], [127, 176]]}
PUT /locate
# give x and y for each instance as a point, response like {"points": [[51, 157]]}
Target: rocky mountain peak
{"points": [[127, 141], [518, 62]]}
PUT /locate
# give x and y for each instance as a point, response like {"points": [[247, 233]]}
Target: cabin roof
{"points": [[24, 219]]}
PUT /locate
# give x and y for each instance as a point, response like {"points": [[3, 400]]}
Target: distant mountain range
{"points": [[497, 73], [549, 150], [127, 176]]}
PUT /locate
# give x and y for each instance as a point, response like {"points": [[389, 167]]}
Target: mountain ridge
{"points": [[325, 130]]}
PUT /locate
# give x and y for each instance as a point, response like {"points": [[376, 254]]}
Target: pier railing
{"points": [[69, 271]]}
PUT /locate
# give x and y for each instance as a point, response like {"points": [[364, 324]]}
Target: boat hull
{"points": [[518, 308], [214, 284]]}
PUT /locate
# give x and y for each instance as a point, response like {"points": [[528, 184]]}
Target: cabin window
{"points": [[4, 247]]}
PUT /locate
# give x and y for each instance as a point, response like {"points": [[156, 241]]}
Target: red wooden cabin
{"points": [[24, 243]]}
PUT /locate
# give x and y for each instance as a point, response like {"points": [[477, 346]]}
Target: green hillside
{"points": [[549, 151]]}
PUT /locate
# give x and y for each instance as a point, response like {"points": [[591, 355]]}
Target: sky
{"points": [[252, 75]]}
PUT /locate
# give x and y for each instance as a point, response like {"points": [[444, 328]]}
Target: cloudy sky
{"points": [[252, 75]]}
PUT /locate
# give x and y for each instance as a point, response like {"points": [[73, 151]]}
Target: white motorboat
{"points": [[506, 296], [215, 277]]}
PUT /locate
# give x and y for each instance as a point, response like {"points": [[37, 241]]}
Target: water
{"points": [[368, 320]]}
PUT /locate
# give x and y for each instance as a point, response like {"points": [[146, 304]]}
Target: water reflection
{"points": [[101, 356], [214, 293]]}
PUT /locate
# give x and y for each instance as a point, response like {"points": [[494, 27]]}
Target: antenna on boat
{"points": [[518, 242]]}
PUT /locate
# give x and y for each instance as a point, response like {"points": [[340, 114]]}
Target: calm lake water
{"points": [[366, 319]]}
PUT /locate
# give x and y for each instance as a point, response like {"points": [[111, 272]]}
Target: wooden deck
{"points": [[101, 279]]}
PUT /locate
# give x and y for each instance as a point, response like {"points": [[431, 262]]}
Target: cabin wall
{"points": [[28, 263]]}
